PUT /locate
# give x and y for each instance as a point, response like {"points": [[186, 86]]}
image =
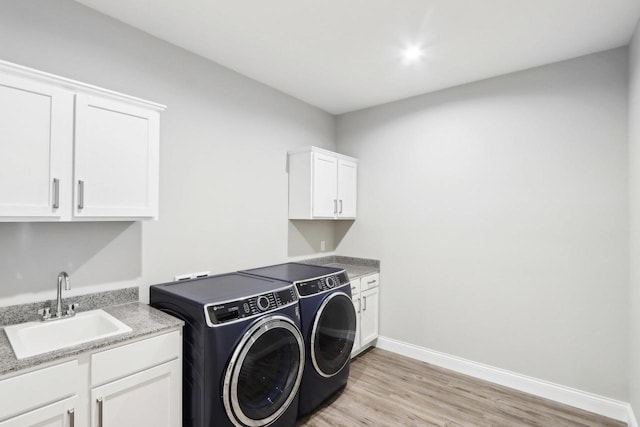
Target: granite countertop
{"points": [[355, 271], [141, 318], [355, 267]]}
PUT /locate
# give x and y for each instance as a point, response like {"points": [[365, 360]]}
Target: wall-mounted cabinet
{"points": [[322, 184], [75, 152], [36, 132], [116, 159]]}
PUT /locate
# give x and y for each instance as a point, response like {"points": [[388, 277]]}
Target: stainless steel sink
{"points": [[34, 338]]}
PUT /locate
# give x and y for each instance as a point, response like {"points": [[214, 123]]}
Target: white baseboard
{"points": [[631, 421], [569, 396]]}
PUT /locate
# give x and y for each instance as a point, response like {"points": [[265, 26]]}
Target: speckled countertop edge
{"points": [[355, 267], [141, 318], [354, 271]]}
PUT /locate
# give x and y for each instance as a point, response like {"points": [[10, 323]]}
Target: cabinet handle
{"points": [[80, 194], [99, 412], [359, 305], [335, 206], [364, 299], [340, 206], [56, 193], [72, 417], [370, 282]]}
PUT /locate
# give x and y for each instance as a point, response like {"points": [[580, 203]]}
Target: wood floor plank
{"points": [[386, 389]]}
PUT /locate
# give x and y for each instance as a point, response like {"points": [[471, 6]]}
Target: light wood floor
{"points": [[386, 389]]}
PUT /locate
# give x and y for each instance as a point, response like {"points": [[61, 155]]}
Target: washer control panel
{"points": [[322, 284], [225, 312]]}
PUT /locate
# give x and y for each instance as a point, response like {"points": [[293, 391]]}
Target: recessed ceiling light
{"points": [[413, 53]]}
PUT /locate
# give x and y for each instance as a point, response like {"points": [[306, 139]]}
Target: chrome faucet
{"points": [[45, 313], [67, 286]]}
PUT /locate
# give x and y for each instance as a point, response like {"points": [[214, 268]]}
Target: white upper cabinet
{"points": [[322, 185], [116, 159], [36, 126], [72, 151], [347, 188]]}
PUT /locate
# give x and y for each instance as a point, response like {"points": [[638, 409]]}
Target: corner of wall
{"points": [[634, 225]]}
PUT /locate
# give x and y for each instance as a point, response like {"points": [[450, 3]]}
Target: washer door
{"points": [[333, 333], [264, 373]]}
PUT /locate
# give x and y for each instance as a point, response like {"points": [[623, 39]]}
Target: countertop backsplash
{"points": [[13, 314]]}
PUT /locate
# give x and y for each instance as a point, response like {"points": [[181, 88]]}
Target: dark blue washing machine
{"points": [[243, 350], [328, 327]]}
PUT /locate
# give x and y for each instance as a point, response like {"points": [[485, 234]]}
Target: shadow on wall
{"points": [[92, 253], [306, 236], [341, 229]]}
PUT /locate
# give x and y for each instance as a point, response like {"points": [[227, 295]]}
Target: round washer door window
{"points": [[264, 373], [334, 331]]}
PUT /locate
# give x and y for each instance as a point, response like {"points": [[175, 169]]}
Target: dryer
{"points": [[243, 350], [328, 326]]}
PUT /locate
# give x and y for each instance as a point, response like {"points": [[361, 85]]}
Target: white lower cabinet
{"points": [[42, 397], [148, 398], [139, 384], [136, 384], [369, 312], [365, 295], [59, 414], [355, 297]]}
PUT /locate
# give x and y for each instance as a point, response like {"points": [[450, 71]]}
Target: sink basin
{"points": [[33, 338]]}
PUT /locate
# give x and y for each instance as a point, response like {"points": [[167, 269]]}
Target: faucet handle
{"points": [[45, 313], [72, 309]]}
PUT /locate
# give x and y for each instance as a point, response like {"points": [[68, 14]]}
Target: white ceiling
{"points": [[344, 55]]}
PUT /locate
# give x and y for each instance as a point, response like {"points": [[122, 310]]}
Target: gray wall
{"points": [[634, 192], [499, 210], [223, 184]]}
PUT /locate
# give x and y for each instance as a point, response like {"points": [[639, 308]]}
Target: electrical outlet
{"points": [[188, 276], [200, 274], [323, 246]]}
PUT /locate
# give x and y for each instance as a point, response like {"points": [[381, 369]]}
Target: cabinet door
{"points": [[116, 159], [369, 316], [324, 182], [59, 414], [36, 131], [150, 398], [347, 188], [356, 342], [370, 281], [355, 287]]}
